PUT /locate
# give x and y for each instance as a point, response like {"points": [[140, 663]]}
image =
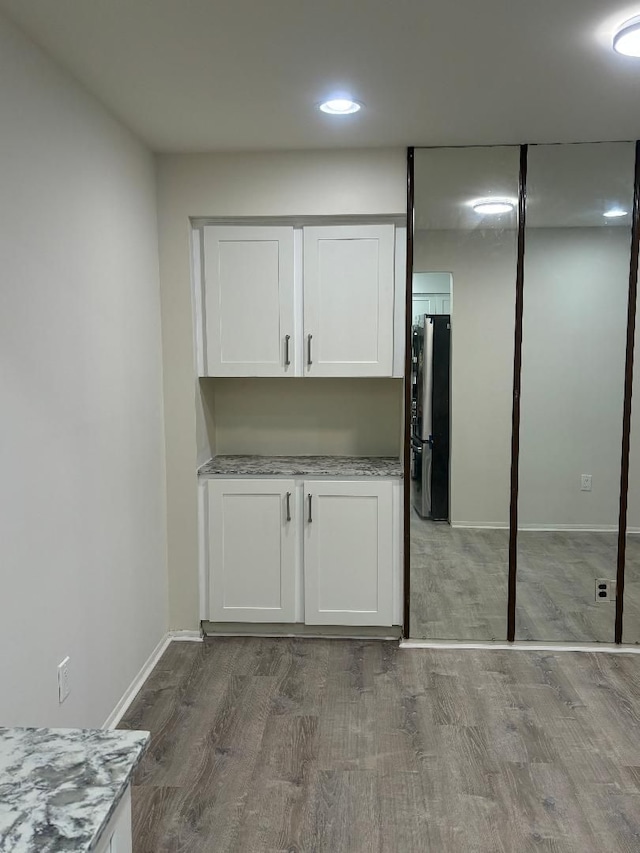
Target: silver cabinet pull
{"points": [[288, 506], [309, 362], [309, 499], [287, 360]]}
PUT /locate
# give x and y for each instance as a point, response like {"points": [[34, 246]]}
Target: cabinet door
{"points": [[348, 300], [430, 303], [444, 304], [348, 557], [251, 551], [116, 837], [248, 301], [423, 303]]}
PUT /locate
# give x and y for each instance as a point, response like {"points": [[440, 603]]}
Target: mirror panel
{"points": [[631, 613], [576, 274], [462, 351]]}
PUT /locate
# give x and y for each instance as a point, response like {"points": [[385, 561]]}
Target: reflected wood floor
{"points": [[341, 746], [459, 584]]}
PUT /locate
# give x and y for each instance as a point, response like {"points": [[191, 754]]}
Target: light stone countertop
{"points": [[302, 466], [60, 787]]}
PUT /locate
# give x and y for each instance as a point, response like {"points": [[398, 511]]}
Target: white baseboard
{"points": [[522, 646], [185, 636], [134, 688], [568, 528], [542, 528]]}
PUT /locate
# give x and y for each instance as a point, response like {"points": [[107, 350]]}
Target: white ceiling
{"points": [[200, 75], [568, 186]]}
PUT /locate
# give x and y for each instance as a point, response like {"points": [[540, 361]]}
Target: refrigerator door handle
{"points": [[427, 379], [427, 486]]}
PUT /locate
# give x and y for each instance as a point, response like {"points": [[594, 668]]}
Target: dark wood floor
{"points": [[342, 746]]}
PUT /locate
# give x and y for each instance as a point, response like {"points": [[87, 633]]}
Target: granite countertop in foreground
{"points": [[303, 466], [59, 787]]}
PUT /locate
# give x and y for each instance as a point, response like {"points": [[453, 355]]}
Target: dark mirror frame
{"points": [[517, 374]]}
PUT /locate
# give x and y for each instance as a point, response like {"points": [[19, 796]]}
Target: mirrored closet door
{"points": [[631, 611], [631, 614], [462, 344], [576, 278]]}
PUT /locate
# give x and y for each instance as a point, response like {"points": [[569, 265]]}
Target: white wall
{"points": [[253, 184], [483, 264], [281, 417], [431, 282], [573, 357], [82, 491]]}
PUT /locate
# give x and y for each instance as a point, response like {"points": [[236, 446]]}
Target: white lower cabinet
{"points": [[335, 541], [117, 837], [252, 551], [348, 553]]}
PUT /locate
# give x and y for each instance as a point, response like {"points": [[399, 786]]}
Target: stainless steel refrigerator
{"points": [[430, 418]]}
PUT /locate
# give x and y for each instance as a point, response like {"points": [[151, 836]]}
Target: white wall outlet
{"points": [[585, 483], [605, 590], [64, 685]]}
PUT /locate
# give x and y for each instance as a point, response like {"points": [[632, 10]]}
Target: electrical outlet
{"points": [[64, 685], [585, 483], [605, 590]]}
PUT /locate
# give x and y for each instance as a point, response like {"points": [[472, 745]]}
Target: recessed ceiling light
{"points": [[493, 206], [615, 213], [627, 37], [340, 106]]}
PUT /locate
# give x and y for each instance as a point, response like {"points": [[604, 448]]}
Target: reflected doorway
{"points": [[430, 400]]}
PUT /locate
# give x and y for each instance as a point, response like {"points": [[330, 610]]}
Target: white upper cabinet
{"points": [[349, 300], [248, 301], [312, 300]]}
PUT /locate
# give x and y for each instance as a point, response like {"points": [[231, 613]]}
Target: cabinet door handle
{"points": [[309, 362], [287, 360], [309, 499], [288, 506]]}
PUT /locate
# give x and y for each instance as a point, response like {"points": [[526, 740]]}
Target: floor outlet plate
{"points": [[605, 590]]}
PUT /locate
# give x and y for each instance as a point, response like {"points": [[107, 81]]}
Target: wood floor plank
{"points": [[346, 729], [621, 817], [534, 820], [459, 584], [208, 813], [344, 814], [474, 771], [301, 677], [408, 819], [404, 732], [208, 690], [285, 746], [280, 789], [156, 819]]}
